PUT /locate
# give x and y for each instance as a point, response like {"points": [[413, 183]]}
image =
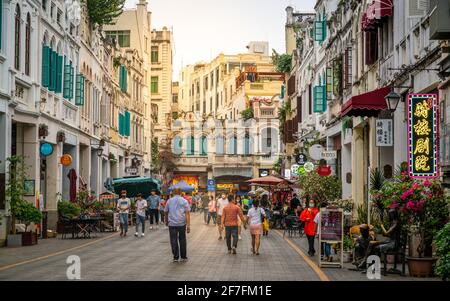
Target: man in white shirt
{"points": [[141, 206], [123, 205], [221, 203]]}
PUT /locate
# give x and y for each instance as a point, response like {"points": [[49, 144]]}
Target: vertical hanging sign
{"points": [[423, 135]]}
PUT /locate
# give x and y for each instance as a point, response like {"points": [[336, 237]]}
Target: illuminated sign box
{"points": [[423, 135]]}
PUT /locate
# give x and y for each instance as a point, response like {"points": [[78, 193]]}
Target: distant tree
{"points": [[282, 62], [321, 189], [104, 12]]}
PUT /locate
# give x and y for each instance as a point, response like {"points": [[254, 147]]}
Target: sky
{"points": [[205, 28]]}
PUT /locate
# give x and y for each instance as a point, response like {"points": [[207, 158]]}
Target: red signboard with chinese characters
{"points": [[423, 134]]}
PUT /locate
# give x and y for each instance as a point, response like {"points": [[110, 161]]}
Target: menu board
{"points": [[331, 225]]}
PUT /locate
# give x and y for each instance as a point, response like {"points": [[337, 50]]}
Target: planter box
{"points": [[347, 256], [14, 240], [29, 239], [421, 267]]}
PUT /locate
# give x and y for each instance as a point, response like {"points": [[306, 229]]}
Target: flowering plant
{"points": [[422, 205]]}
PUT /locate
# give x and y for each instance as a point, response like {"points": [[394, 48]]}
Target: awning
{"points": [[367, 104], [374, 13]]}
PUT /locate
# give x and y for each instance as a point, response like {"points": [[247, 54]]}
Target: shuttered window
{"points": [[59, 73], [329, 84], [127, 125], [68, 80], [123, 78], [320, 103], [371, 43], [190, 146], [46, 53], [299, 109], [204, 146], [79, 93]]}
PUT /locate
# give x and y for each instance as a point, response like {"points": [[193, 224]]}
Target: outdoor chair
{"points": [[292, 225], [67, 227], [400, 251]]}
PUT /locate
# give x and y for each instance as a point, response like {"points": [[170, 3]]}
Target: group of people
{"points": [[151, 208]]}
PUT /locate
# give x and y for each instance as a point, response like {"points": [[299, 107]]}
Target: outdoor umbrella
{"points": [[269, 180], [183, 186], [135, 185]]}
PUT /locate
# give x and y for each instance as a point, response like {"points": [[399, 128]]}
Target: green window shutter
{"points": [[319, 31], [127, 126], [283, 91], [125, 83], [324, 26], [324, 93], [204, 146], [79, 93], [67, 81], [120, 124], [71, 82], [59, 70], [319, 99], [46, 66], [53, 70], [329, 83], [121, 77]]}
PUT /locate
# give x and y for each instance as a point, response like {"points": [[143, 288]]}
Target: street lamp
{"points": [[392, 100], [99, 151]]}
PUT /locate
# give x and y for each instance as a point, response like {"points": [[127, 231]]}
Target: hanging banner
{"points": [[423, 135]]}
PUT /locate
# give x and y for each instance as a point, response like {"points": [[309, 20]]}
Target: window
{"points": [[232, 145], [371, 42], [52, 11], [44, 5], [155, 113], [177, 145], [219, 145], [204, 146], [17, 38], [58, 16], [27, 45], [79, 93], [247, 144], [154, 84], [121, 36], [348, 68], [155, 54], [123, 75], [190, 146]]}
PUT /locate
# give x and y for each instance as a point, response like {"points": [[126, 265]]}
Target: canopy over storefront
{"points": [[367, 104], [135, 185], [375, 12]]}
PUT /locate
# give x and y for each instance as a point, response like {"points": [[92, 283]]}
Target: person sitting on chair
{"points": [[361, 246]]}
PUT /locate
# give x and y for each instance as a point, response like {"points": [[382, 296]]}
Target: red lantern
{"points": [[324, 171]]}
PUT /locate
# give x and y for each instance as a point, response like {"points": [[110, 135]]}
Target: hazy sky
{"points": [[204, 28]]}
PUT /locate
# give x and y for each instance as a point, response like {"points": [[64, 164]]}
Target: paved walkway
{"points": [[150, 258], [111, 257]]}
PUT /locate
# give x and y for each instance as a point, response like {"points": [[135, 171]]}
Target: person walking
{"points": [[220, 204], [153, 207], [178, 219], [307, 216], [255, 219], [212, 210], [325, 247], [123, 205], [162, 205], [239, 204], [245, 204], [141, 206], [230, 215], [205, 206]]}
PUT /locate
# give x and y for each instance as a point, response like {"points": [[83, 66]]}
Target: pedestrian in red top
{"points": [[307, 216]]}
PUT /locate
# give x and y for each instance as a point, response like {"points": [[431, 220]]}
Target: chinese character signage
{"points": [[384, 130], [423, 135]]}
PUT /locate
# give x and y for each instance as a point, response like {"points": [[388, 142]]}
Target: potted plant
{"points": [[442, 241], [15, 191], [61, 136], [43, 130], [347, 248], [28, 213], [112, 158], [66, 210], [423, 209]]}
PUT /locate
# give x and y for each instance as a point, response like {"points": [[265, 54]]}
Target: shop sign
{"points": [[329, 155], [294, 170], [309, 166], [211, 185], [300, 159], [225, 186], [384, 130], [301, 170], [324, 171], [46, 149], [422, 135], [66, 160], [131, 170], [315, 152], [263, 172], [287, 174], [331, 227]]}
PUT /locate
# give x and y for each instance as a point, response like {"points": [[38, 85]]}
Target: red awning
{"points": [[367, 104], [377, 10]]}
